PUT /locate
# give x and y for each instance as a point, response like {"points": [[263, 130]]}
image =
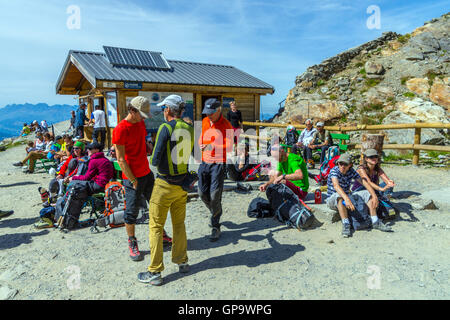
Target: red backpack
{"points": [[115, 203], [324, 170]]}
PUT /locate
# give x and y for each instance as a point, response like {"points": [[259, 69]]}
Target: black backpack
{"points": [[291, 137], [287, 208], [259, 208]]}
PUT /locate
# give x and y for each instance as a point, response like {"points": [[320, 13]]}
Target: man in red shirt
{"points": [[214, 143], [131, 150]]}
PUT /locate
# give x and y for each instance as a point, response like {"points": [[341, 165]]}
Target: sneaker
{"points": [[18, 164], [44, 223], [346, 232], [154, 278], [4, 214], [28, 171], [183, 268], [166, 239], [215, 234], [379, 225], [135, 255]]}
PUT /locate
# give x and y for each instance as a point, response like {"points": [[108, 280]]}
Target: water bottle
{"points": [[318, 196]]}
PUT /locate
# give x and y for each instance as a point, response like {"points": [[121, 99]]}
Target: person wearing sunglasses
{"points": [[340, 199]]}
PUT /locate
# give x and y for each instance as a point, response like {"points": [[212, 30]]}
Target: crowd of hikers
{"points": [[84, 170]]}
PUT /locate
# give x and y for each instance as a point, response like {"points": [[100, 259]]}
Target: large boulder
{"points": [[321, 111], [374, 68], [440, 92], [409, 112]]}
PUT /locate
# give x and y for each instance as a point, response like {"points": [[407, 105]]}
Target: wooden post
{"points": [[417, 131], [371, 141], [257, 135]]}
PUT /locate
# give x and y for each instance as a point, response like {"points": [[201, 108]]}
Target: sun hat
{"points": [[320, 124], [345, 158], [173, 101], [142, 104], [370, 153]]}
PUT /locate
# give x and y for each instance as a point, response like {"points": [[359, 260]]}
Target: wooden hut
{"points": [[113, 78]]}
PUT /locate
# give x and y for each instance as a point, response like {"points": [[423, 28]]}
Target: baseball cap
{"points": [[345, 158], [319, 124], [370, 153], [211, 106], [94, 145], [173, 102], [142, 104]]}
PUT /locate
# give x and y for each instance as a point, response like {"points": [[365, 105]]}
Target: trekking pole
{"points": [[62, 219]]}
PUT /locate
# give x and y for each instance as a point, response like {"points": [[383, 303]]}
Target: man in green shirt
{"points": [[291, 170]]}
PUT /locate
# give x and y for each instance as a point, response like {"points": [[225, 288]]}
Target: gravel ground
{"points": [[254, 259]]}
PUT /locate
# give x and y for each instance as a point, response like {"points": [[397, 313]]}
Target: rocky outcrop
{"points": [[440, 92]]}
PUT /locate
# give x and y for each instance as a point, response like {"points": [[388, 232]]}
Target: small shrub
{"points": [[362, 71], [372, 82], [431, 76], [320, 83], [359, 65], [409, 95], [404, 79], [404, 38], [333, 97]]}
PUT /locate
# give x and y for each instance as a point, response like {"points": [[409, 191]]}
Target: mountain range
{"points": [[13, 116]]}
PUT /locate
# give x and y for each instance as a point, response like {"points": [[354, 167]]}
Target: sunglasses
{"points": [[373, 157], [76, 148], [343, 164]]}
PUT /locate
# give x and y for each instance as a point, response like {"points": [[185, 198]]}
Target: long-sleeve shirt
{"points": [[80, 117], [100, 170]]}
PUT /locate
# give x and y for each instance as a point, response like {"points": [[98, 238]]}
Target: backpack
{"points": [[386, 209], [325, 169], [331, 152], [259, 208], [359, 218], [115, 205], [291, 137], [288, 208]]}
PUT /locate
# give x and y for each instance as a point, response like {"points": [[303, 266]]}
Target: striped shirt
{"points": [[344, 180]]}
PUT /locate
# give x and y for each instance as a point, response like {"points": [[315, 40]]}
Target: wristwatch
{"points": [[284, 176]]}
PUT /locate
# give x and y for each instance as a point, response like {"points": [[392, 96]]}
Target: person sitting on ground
{"points": [[291, 170], [25, 130], [239, 170], [304, 140], [321, 140], [35, 155], [340, 199], [372, 172]]}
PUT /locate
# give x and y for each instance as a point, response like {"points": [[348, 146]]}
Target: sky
{"points": [[274, 41]]}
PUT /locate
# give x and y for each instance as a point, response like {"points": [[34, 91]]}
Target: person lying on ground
{"points": [[321, 140], [35, 155], [305, 139], [340, 199], [291, 170]]}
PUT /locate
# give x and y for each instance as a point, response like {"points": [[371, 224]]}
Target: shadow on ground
{"points": [[13, 240], [251, 259], [25, 183], [15, 222]]}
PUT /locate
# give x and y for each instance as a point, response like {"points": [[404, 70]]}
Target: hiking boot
{"points": [[44, 223], [183, 268], [154, 278], [215, 234], [310, 164], [4, 214], [346, 232], [135, 255], [18, 164], [28, 171], [379, 225]]}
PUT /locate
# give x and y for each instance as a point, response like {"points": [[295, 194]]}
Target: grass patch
{"points": [[409, 95], [403, 80], [372, 82], [333, 97], [436, 154], [396, 157], [431, 76], [391, 100], [362, 71], [320, 83], [359, 65], [404, 38]]}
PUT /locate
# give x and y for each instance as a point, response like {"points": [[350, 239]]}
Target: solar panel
{"points": [[136, 58], [114, 55]]}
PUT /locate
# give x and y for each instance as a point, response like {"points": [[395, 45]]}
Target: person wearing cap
{"points": [[128, 139], [173, 146], [339, 182], [321, 140], [304, 140], [99, 120], [371, 171], [214, 143], [80, 120], [291, 171]]}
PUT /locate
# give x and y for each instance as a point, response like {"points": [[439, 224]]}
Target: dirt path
{"points": [[254, 259]]}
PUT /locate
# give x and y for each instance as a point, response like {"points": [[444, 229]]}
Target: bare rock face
{"points": [[374, 68], [418, 85], [319, 112], [440, 92]]}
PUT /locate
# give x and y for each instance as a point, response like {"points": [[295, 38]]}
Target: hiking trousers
{"points": [[211, 177], [135, 198], [32, 157], [165, 197]]}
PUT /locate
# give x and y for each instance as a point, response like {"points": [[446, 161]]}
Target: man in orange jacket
{"points": [[214, 144]]}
